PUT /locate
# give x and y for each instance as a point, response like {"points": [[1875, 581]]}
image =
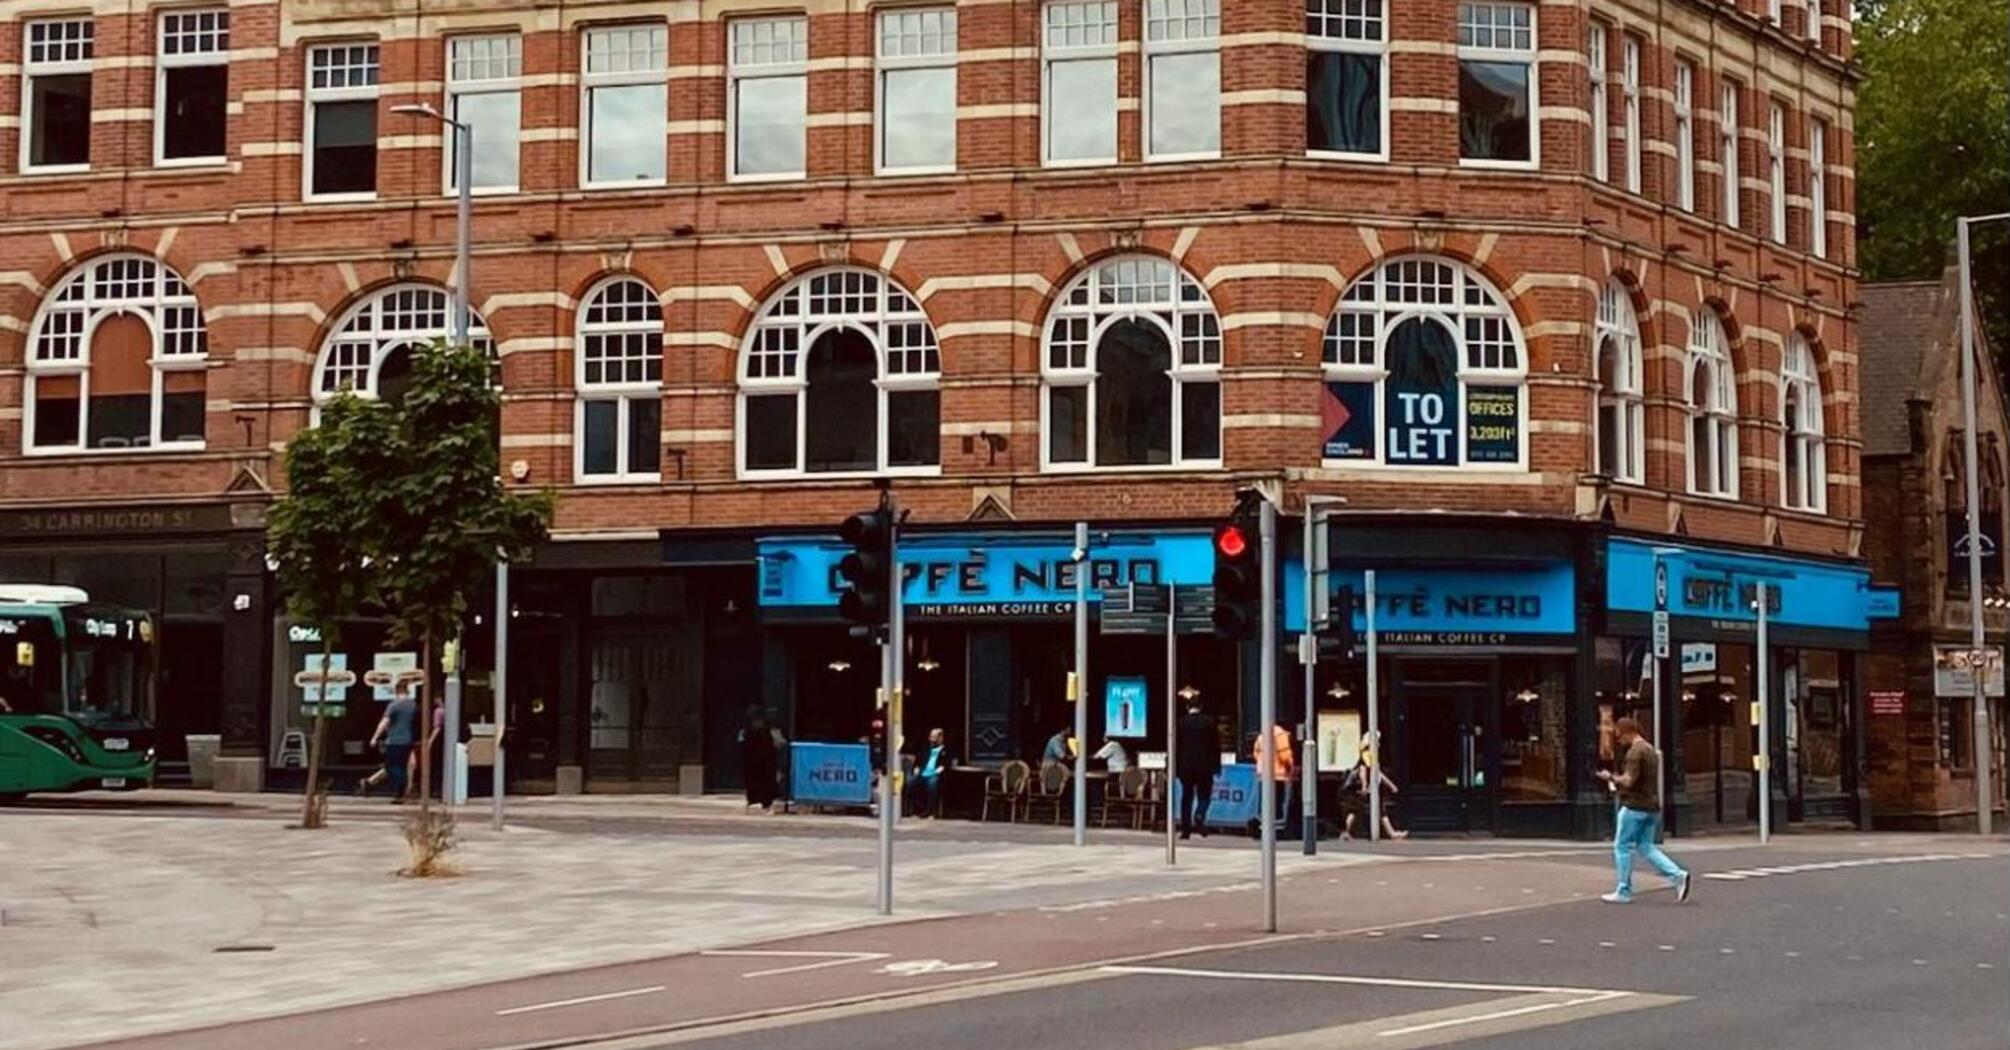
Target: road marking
{"points": [[1498, 1015], [825, 959], [601, 998], [924, 967], [1741, 874], [1370, 982]]}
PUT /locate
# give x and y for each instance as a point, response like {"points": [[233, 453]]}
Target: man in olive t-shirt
{"points": [[1638, 786]]}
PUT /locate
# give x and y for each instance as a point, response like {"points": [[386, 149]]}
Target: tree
{"points": [[324, 535], [446, 519], [1933, 135]]}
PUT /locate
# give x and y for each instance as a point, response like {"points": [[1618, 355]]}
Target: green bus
{"points": [[75, 691]]}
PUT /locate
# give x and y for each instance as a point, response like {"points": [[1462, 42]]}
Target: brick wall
{"points": [[1272, 235]]}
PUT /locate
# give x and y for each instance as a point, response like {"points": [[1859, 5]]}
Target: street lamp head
{"points": [[418, 109]]}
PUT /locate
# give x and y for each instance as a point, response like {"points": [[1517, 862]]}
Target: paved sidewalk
{"points": [[117, 922]]}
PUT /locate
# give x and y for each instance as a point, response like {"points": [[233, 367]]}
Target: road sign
{"points": [[1660, 587], [1193, 609], [1661, 634], [1135, 608]]}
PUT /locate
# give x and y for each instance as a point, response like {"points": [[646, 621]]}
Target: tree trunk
{"points": [[310, 813], [426, 729]]}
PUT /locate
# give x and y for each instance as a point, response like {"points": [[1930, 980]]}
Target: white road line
{"points": [[1372, 982], [534, 1007], [824, 959], [1501, 1014]]}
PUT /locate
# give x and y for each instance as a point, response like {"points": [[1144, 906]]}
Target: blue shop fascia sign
{"points": [[985, 575], [1723, 587], [1533, 604]]}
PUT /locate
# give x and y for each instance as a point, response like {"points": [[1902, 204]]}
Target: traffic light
{"points": [[1238, 576], [1340, 627], [868, 602]]}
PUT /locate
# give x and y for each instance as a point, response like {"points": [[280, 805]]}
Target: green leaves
{"points": [[1933, 135], [399, 507]]}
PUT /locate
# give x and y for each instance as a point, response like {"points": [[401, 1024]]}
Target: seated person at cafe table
{"points": [[924, 795], [1113, 755], [1060, 748]]}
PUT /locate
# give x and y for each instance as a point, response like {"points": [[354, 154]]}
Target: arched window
{"points": [[1803, 453], [1713, 410], [1424, 368], [1132, 366], [840, 374], [619, 369], [116, 361], [370, 352], [1621, 431]]}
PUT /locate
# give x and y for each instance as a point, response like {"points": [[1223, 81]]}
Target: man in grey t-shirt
{"points": [[397, 731], [1638, 786]]}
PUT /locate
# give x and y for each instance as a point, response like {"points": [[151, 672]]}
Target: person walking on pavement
{"points": [[1637, 786], [757, 760], [1199, 760], [1283, 771], [396, 732], [925, 792], [1354, 795]]}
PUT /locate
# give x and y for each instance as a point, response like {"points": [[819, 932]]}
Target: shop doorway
{"points": [[1441, 748]]}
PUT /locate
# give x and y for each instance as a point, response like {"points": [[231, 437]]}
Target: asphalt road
{"points": [[1911, 955]]}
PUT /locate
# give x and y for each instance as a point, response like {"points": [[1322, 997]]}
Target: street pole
{"points": [[499, 678], [896, 630], [1764, 761], [1374, 720], [1984, 797], [1267, 715], [463, 135], [1317, 601], [889, 690], [1081, 697], [1172, 715]]}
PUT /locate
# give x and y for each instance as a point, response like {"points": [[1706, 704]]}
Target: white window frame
{"points": [[1618, 332], [1380, 301], [1776, 12], [1377, 46], [1818, 186], [622, 391], [510, 84], [1530, 57], [1733, 161], [313, 96], [1053, 54], [59, 343], [1156, 16], [1800, 380], [1630, 86], [1776, 170], [1596, 48], [1709, 348], [885, 63], [740, 70], [31, 68], [1685, 135], [1812, 26], [1141, 288], [655, 74], [794, 311], [219, 56], [410, 316]]}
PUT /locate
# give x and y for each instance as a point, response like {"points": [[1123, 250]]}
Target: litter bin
{"points": [[202, 749]]}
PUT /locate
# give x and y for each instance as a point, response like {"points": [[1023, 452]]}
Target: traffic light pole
{"points": [[889, 686], [1267, 714], [1081, 690]]}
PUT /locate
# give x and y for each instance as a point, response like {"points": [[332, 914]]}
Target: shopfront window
{"points": [[1534, 715], [1817, 722], [1623, 690], [1718, 687]]}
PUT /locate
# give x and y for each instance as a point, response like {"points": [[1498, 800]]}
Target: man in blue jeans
{"points": [[1638, 786]]}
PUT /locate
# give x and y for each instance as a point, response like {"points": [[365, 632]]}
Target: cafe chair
{"points": [[1050, 791], [1008, 786], [1126, 793]]}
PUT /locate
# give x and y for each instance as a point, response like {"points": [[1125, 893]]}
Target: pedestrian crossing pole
{"points": [[1763, 761], [1080, 556], [1267, 715], [1374, 723]]}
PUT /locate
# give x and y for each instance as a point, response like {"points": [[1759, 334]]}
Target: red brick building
{"points": [[1588, 268]]}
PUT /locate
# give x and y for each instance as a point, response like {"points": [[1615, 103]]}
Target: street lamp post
{"points": [[463, 136], [1984, 797]]}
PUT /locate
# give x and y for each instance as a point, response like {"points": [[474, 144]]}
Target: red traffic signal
{"points": [[1230, 540]]}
